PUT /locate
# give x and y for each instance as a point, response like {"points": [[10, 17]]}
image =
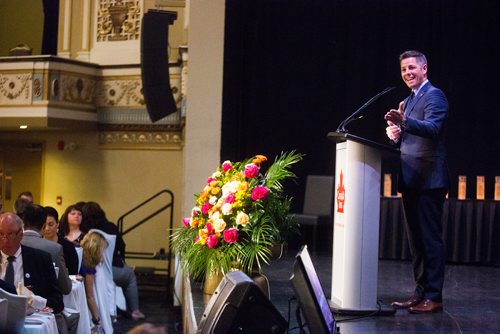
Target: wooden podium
{"points": [[356, 226]]}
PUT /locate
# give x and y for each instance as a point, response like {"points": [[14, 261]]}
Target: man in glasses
{"points": [[31, 267]]}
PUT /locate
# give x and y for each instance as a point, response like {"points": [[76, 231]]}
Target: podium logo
{"points": [[341, 194]]}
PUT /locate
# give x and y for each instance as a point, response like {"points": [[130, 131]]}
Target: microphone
{"points": [[341, 127]]}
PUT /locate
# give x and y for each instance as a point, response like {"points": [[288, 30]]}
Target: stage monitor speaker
{"points": [[238, 305], [154, 64]]}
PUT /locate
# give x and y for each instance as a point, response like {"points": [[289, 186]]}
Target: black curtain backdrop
{"points": [[294, 69]]}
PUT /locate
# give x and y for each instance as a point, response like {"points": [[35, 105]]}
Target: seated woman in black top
{"points": [[49, 232]]}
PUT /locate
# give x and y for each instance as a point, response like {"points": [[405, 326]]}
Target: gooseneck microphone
{"points": [[355, 115]]}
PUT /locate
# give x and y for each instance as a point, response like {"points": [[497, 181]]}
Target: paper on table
{"points": [[34, 302]]}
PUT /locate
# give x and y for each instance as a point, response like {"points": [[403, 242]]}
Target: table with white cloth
{"points": [[40, 323], [77, 300]]}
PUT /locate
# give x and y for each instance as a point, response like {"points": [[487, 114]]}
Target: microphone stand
{"points": [[341, 128]]}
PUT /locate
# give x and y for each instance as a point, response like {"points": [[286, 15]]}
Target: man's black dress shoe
{"points": [[413, 301], [426, 306]]}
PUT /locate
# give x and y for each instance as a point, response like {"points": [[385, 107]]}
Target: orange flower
{"points": [[259, 159]]}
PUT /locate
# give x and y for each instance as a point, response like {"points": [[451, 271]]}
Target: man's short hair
{"points": [[34, 216], [421, 59]]}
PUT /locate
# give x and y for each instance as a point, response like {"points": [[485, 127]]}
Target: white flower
{"points": [[214, 215], [216, 174], [219, 225], [230, 187], [212, 200], [195, 211], [226, 209], [242, 218]]}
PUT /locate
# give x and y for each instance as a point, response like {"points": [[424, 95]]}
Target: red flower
{"points": [[231, 198], [231, 235], [226, 166], [251, 171], [185, 221], [209, 228], [212, 241], [259, 192], [205, 208]]}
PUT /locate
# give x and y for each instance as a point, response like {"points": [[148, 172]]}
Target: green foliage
{"points": [[233, 227]]}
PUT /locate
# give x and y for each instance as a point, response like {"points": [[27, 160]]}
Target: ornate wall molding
{"points": [[120, 93], [118, 20], [15, 88], [133, 140], [77, 89]]}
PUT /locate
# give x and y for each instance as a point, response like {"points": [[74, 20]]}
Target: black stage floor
{"points": [[471, 300]]}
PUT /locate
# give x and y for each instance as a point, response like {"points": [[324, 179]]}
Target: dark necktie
{"points": [[9, 272], [409, 101]]}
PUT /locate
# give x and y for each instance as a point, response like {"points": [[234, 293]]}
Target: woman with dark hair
{"points": [[49, 232], [95, 218], [70, 225]]}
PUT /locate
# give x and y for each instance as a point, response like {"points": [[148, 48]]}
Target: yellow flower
{"points": [[203, 233], [243, 186]]}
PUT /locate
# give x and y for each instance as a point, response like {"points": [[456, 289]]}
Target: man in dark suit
{"points": [[34, 217], [31, 266], [418, 126], [10, 288]]}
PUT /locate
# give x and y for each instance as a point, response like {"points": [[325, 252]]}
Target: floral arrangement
{"points": [[238, 216]]}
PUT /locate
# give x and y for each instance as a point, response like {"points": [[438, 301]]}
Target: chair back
{"points": [[104, 288], [79, 253], [318, 199], [15, 315], [3, 313]]}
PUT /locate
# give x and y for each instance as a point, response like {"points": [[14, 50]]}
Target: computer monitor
{"points": [[310, 295], [238, 305]]}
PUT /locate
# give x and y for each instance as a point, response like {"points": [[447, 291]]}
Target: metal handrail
{"points": [[169, 205]]}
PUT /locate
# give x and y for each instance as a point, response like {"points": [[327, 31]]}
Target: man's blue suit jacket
{"points": [[423, 152]]}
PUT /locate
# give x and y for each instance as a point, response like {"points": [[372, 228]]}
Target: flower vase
{"points": [[212, 280]]}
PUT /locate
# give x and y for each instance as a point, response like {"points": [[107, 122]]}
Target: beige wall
{"points": [[204, 112], [21, 22], [117, 179]]}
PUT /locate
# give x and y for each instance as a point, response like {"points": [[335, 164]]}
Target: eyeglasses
{"points": [[10, 236]]}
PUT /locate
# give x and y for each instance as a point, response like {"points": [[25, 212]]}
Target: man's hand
{"points": [[393, 131], [394, 116]]}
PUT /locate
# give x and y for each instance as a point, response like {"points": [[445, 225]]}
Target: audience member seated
{"points": [[70, 225], [30, 267], [49, 232], [94, 245], [19, 206], [124, 276], [34, 218], [26, 196]]}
